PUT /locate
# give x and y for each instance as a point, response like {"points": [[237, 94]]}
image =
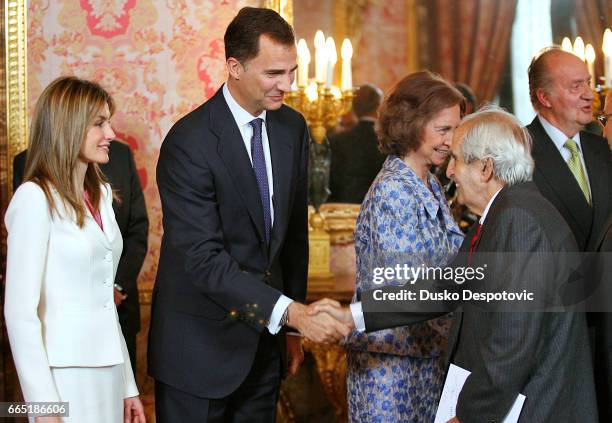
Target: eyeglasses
{"points": [[603, 119]]}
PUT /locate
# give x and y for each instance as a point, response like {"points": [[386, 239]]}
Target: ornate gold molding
{"points": [[15, 24], [412, 29], [283, 7], [341, 219], [331, 366], [145, 295], [284, 409]]}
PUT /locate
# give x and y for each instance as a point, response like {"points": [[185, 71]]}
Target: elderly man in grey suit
{"points": [[543, 355]]}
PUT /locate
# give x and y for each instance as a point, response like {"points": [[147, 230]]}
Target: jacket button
{"points": [[108, 305], [267, 274], [108, 257], [107, 282]]}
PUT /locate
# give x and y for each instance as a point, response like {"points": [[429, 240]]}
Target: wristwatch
{"points": [[283, 321]]}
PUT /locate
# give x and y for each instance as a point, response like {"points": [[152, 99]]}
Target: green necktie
{"points": [[575, 165]]}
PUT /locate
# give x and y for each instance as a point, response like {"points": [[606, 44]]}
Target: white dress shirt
{"points": [[357, 308], [559, 139], [243, 120]]}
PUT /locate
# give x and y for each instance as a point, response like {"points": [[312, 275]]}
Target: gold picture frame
{"points": [[16, 89]]}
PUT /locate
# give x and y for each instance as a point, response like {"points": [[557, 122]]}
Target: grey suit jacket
{"points": [[543, 355]]}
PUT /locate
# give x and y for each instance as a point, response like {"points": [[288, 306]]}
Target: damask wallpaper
{"points": [[158, 58], [381, 55]]}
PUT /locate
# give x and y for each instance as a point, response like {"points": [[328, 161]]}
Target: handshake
{"points": [[324, 321]]}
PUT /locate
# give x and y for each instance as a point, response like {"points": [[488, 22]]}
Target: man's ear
{"points": [[486, 174], [543, 98], [234, 68]]}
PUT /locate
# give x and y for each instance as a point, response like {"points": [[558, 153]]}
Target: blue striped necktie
{"points": [[259, 166]]}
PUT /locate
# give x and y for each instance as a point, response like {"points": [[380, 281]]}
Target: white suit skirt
{"points": [[94, 394]]}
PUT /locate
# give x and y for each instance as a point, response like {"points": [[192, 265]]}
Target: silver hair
{"points": [[492, 133]]}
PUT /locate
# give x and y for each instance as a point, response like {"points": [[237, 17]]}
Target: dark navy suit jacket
{"points": [[218, 280]]}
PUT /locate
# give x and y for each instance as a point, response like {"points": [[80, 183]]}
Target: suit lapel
{"points": [[282, 164], [455, 329], [236, 159], [453, 334], [597, 171], [106, 235], [555, 170]]}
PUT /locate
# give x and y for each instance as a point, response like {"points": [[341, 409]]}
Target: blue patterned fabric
{"points": [[396, 375]]}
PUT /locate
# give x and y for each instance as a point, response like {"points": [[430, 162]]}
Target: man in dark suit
{"points": [[355, 158], [543, 355], [232, 177], [131, 216], [573, 169], [602, 351]]}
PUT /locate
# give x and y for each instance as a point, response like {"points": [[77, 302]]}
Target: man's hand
{"points": [[318, 327], [454, 420], [334, 309], [295, 353], [133, 411], [118, 296]]}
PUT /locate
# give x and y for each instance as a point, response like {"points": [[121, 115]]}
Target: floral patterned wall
{"points": [[381, 56], [158, 58]]}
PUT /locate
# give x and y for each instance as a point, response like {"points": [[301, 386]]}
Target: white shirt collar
{"points": [[486, 210], [556, 135], [241, 116]]}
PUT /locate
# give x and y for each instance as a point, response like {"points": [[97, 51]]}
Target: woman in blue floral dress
{"points": [[396, 375]]}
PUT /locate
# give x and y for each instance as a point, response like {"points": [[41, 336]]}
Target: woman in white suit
{"points": [[63, 249]]}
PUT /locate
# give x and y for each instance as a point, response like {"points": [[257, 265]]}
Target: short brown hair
{"points": [[539, 75], [411, 104], [367, 100], [242, 34]]}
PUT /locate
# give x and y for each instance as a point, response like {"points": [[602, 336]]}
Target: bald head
{"points": [[542, 70], [559, 90]]}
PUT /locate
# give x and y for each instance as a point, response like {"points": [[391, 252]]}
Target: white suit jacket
{"points": [[59, 306]]}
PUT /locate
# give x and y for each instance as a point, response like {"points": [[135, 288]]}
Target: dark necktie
{"points": [[475, 239], [259, 166]]}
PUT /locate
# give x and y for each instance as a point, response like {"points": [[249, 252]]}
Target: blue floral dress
{"points": [[396, 375]]}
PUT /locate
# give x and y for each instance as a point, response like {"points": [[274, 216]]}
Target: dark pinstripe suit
{"points": [[545, 356], [555, 181]]}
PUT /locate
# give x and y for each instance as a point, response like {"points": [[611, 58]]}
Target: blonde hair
{"points": [[64, 112]]}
